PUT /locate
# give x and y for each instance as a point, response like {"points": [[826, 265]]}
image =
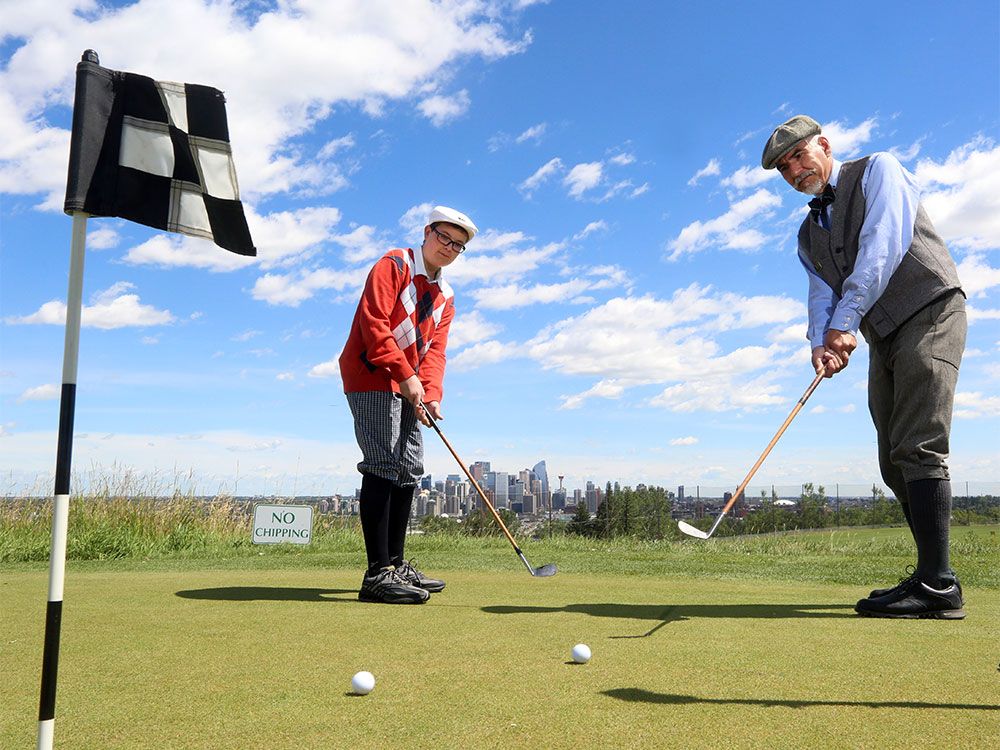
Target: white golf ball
{"points": [[581, 653], [363, 683]]}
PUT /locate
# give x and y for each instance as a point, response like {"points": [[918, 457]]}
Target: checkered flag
{"points": [[156, 153]]}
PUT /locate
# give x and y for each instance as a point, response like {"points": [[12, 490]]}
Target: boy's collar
{"points": [[420, 268]]}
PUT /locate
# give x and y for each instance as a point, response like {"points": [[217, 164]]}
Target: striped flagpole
{"points": [[60, 506]]}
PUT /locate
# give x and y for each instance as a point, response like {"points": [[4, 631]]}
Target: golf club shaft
{"points": [[743, 485], [479, 489]]}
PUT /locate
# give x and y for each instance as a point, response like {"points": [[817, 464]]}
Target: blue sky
{"points": [[633, 308]]}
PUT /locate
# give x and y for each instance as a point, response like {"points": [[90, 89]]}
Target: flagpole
{"points": [[60, 506]]}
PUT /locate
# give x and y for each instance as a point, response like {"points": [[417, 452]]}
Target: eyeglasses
{"points": [[448, 242]]}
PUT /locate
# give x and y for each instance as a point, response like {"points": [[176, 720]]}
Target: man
{"points": [[876, 264], [393, 368]]}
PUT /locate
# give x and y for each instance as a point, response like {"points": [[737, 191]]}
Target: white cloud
{"points": [[731, 230], [963, 194], [110, 309], [977, 275], [285, 376], [469, 328], [584, 177], [246, 335], [719, 394], [540, 175], [102, 239], [295, 288], [474, 267], [510, 296], [689, 440], [609, 389], [47, 392], [745, 178], [847, 141], [414, 220], [622, 160], [328, 369], [594, 226], [534, 133], [709, 170], [907, 153], [441, 109], [482, 354], [643, 340], [973, 405]]}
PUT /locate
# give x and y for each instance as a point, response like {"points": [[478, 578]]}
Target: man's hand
{"points": [[840, 343], [826, 361]]}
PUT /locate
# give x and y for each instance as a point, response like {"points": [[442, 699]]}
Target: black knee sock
{"points": [[399, 516], [930, 511], [374, 509], [906, 514]]}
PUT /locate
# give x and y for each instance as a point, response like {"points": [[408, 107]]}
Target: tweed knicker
{"points": [[912, 374], [388, 433]]}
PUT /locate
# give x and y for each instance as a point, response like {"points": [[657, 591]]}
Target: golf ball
{"points": [[363, 683], [581, 653]]}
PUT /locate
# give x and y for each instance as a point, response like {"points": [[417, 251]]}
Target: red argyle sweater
{"points": [[400, 328]]}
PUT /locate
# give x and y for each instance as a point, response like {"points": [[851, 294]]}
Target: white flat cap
{"points": [[451, 216]]}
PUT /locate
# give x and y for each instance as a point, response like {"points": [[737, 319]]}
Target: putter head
{"points": [[691, 530], [544, 571]]}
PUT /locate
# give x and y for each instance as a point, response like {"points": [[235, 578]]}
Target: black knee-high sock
{"points": [[905, 505], [399, 516], [930, 511], [374, 508]]}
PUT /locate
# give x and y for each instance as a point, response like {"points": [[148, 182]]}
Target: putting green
{"points": [[263, 659]]}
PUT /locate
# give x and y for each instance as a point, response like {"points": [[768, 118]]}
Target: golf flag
{"points": [[156, 153]]}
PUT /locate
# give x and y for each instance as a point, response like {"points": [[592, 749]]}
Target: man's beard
{"points": [[815, 188]]}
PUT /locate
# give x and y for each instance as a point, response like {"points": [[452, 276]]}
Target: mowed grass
{"points": [[755, 652]]}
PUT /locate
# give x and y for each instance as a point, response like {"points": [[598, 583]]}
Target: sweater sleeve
{"points": [[432, 367], [377, 301]]}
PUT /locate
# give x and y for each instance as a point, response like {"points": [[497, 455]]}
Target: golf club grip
{"points": [[475, 484], [781, 430]]}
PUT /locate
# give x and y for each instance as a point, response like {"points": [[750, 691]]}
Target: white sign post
{"points": [[274, 524]]}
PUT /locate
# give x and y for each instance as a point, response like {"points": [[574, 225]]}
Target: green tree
{"points": [[580, 524]]}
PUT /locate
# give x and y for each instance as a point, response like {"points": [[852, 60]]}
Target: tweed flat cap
{"points": [[787, 135]]}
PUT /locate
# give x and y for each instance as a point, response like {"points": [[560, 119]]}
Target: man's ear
{"points": [[825, 145]]}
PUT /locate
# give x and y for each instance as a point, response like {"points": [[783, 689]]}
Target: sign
{"points": [[274, 524]]}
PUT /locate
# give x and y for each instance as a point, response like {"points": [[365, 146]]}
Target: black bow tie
{"points": [[824, 199]]}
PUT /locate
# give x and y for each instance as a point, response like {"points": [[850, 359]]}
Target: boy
{"points": [[393, 367]]}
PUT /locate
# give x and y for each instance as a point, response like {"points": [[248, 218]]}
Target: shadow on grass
{"points": [[674, 612], [268, 594], [638, 695]]}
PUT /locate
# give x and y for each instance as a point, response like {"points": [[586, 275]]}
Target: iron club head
{"points": [[691, 530], [544, 571]]}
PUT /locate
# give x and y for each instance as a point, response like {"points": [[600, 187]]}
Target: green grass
{"points": [[741, 642]]}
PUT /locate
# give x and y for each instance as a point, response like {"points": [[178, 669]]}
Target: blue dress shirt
{"points": [[891, 201]]}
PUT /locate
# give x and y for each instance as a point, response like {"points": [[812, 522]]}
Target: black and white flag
{"points": [[156, 153]]}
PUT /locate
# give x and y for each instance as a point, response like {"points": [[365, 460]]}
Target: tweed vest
{"points": [[926, 272]]}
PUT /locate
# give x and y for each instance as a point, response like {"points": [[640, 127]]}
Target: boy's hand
{"points": [[434, 407], [413, 391]]}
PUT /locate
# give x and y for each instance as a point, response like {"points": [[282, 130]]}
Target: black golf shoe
{"points": [[409, 573], [913, 599], [387, 587], [911, 573]]}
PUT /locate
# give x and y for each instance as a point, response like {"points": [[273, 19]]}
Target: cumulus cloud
{"points": [[974, 405], [471, 328], [534, 133], [540, 175], [441, 109], [709, 170], [292, 289], [115, 307], [594, 226], [583, 177], [736, 229], [962, 194], [482, 354], [689, 440], [847, 141], [633, 341], [47, 392]]}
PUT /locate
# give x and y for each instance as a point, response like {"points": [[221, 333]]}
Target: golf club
{"points": [[544, 570], [691, 530]]}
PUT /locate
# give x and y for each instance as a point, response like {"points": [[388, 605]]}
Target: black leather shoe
{"points": [[914, 599], [387, 587], [409, 573]]}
